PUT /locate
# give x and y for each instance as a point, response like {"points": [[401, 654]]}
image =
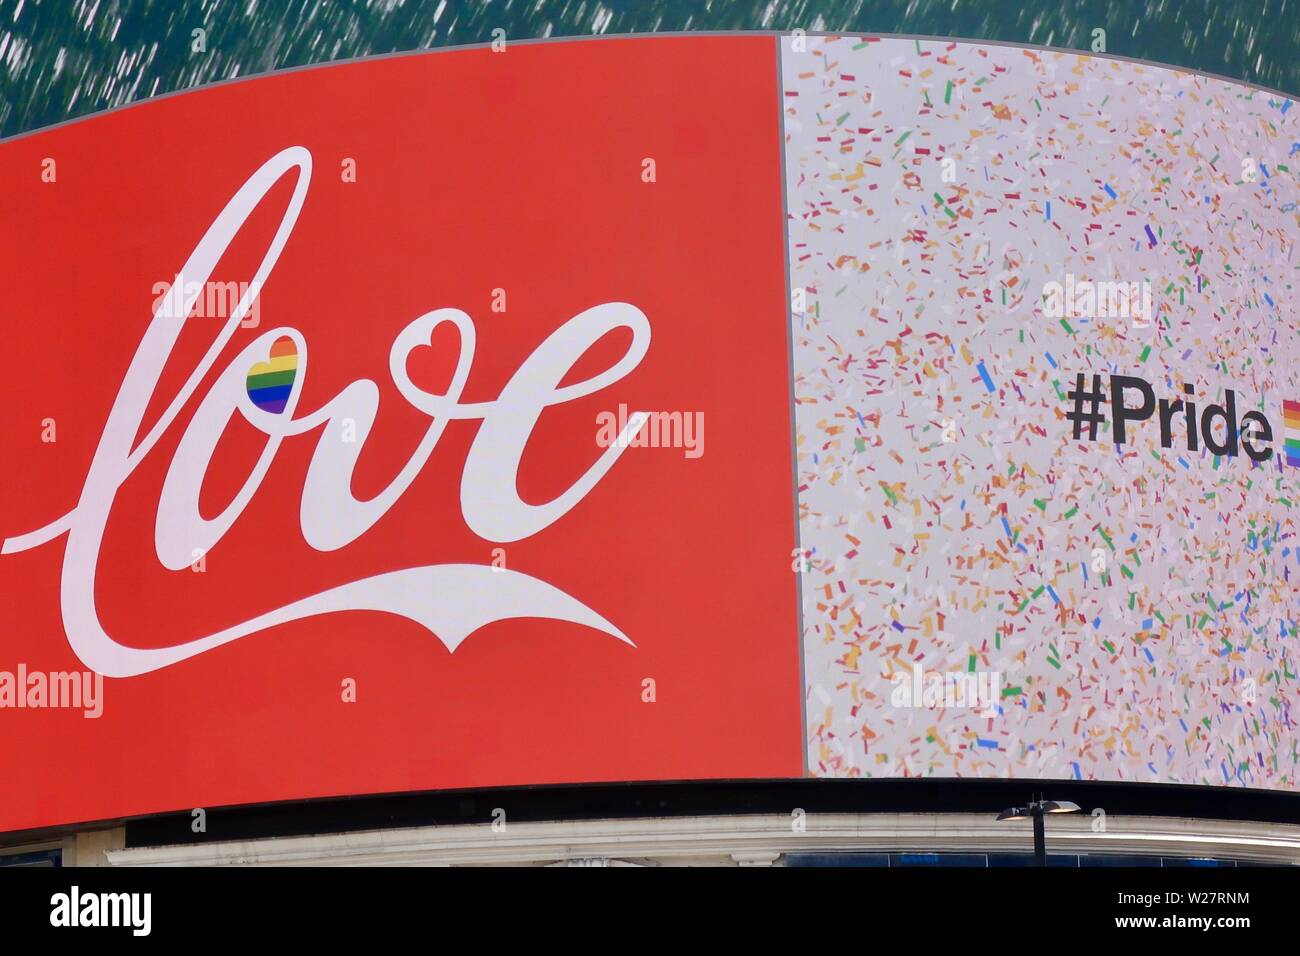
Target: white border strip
{"points": [[726, 840]]}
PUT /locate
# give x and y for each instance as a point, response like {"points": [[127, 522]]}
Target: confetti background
{"points": [[1175, 662]]}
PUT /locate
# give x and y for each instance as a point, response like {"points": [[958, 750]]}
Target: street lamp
{"points": [[1037, 809]]}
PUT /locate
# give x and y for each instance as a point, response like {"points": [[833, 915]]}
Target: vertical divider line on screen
{"points": [[794, 424]]}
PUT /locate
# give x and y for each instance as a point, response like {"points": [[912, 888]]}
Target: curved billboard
{"points": [[649, 409]]}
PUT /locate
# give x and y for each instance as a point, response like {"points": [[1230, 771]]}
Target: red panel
{"points": [[475, 171]]}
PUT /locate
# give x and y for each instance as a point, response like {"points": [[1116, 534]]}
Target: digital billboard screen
{"points": [[672, 408]]}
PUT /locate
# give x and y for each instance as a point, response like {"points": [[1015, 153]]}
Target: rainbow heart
{"points": [[269, 383]]}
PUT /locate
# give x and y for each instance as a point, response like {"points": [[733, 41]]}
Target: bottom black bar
{"points": [[334, 905]]}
